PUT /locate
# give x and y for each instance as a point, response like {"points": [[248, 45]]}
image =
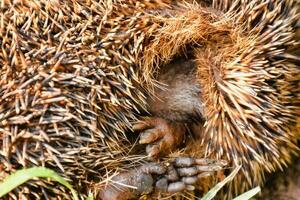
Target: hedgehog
{"points": [[75, 77], [72, 84]]}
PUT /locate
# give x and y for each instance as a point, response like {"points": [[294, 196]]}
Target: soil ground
{"points": [[283, 185]]}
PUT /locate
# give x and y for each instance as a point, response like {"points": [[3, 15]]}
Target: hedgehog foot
{"points": [[185, 172], [180, 175], [160, 135]]}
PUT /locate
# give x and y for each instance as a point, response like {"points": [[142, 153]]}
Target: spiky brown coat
{"points": [[73, 75]]}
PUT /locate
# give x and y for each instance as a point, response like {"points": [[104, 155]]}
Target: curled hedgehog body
{"points": [[74, 77]]}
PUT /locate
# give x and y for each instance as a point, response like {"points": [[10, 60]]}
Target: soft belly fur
{"points": [[178, 98]]}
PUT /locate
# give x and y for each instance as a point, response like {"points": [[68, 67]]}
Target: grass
{"points": [[23, 175], [213, 192]]}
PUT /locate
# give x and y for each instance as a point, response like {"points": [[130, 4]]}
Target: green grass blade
{"points": [[90, 197], [23, 175], [212, 193], [247, 195]]}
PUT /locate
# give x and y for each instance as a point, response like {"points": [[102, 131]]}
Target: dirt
{"points": [[283, 185]]}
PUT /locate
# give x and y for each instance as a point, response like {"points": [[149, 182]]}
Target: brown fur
{"points": [[178, 97]]}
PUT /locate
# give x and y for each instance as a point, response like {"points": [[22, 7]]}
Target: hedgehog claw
{"points": [[188, 162], [184, 173], [148, 136], [160, 135]]}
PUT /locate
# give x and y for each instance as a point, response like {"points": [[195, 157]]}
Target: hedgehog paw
{"points": [[160, 135], [185, 172], [133, 183]]}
